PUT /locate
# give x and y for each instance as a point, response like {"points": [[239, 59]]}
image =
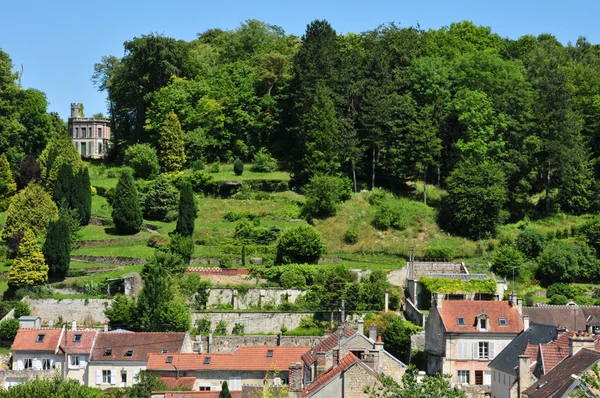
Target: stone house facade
{"points": [[90, 135]]}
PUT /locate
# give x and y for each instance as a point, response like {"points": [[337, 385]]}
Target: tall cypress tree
{"points": [[29, 268], [64, 186], [127, 212], [187, 211], [82, 196], [57, 248], [171, 152], [8, 187]]}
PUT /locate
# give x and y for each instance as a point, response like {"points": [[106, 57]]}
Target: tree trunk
{"points": [[354, 177], [548, 190], [373, 170], [425, 186], [439, 175]]}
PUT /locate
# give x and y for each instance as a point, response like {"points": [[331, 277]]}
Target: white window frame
{"points": [[106, 376], [46, 363], [74, 361], [27, 363], [462, 376]]}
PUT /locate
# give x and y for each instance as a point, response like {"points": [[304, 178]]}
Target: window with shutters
{"points": [[106, 377], [484, 350]]}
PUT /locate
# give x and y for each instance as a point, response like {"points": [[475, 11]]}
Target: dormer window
{"points": [[502, 321], [164, 351], [108, 352], [169, 360], [129, 353], [482, 322], [270, 354], [461, 321], [40, 338], [77, 338], [207, 360]]}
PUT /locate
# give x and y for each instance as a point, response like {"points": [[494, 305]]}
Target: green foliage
{"points": [[127, 212], [202, 327], [530, 242], [238, 167], [8, 186], [247, 232], [441, 285], [351, 235], [413, 387], [160, 199], [238, 329], [559, 299], [476, 193], [143, 160], [441, 253], [171, 152], [72, 190], [121, 313], [22, 309], [232, 216], [54, 388], [29, 268], [31, 209], [9, 329], [28, 171], [324, 194], [566, 262], [57, 248], [187, 211], [263, 162], [302, 244], [173, 316], [563, 289], [506, 258], [60, 150], [224, 391], [292, 279], [183, 247], [221, 328], [145, 383]]}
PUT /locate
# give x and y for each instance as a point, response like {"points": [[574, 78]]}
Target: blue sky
{"points": [[58, 42]]}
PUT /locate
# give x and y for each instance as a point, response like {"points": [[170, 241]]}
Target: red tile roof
{"points": [[26, 340], [554, 352], [83, 346], [326, 345], [451, 310], [346, 362], [174, 382], [142, 344], [245, 358], [532, 352]]}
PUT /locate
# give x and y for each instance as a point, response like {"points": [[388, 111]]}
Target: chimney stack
{"points": [[105, 326], [437, 298], [578, 341], [524, 374], [74, 325], [361, 326], [373, 332], [321, 366], [525, 322], [295, 377], [387, 300]]}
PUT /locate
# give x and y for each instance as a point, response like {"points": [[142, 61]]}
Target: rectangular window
{"points": [[203, 388], [207, 360], [461, 321], [502, 321], [479, 377], [77, 338], [99, 132], [484, 350], [358, 354], [124, 377], [483, 324], [46, 364], [40, 338], [169, 360], [106, 377], [129, 353], [99, 148], [108, 352], [270, 354], [27, 363], [463, 377], [83, 132], [74, 360]]}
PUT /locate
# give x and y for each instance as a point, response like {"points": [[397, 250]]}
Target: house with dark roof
{"points": [[118, 357], [512, 373], [325, 355], [564, 377], [462, 337], [570, 316], [249, 365]]}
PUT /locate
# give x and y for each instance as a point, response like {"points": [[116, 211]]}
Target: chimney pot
{"points": [[74, 325]]}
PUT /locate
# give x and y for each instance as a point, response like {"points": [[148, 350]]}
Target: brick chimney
{"points": [[524, 381], [324, 363], [336, 356], [580, 340], [295, 377]]}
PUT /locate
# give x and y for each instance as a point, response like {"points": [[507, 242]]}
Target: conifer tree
{"points": [[31, 209], [224, 391], [171, 153], [127, 212], [82, 195], [187, 211], [63, 189], [60, 150], [57, 248], [8, 187], [29, 268]]}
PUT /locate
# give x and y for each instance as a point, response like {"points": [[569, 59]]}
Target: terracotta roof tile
{"points": [[245, 358], [324, 378], [554, 352], [142, 344], [81, 345], [27, 340], [174, 382], [451, 310], [326, 345]]}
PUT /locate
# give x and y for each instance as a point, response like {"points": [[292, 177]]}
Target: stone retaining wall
{"points": [[229, 344], [85, 312], [252, 298]]}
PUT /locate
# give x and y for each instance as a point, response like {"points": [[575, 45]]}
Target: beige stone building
{"points": [[90, 135]]}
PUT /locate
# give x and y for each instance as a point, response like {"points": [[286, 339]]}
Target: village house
{"points": [[117, 358], [90, 135], [462, 337]]}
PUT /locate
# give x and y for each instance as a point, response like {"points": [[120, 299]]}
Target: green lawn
{"points": [[125, 249], [227, 174]]}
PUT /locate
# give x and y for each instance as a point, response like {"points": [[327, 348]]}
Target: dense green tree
{"points": [[302, 244], [8, 186], [127, 212], [52, 388], [506, 261], [121, 313], [57, 248], [142, 158], [161, 198], [171, 152], [530, 242], [29, 268], [187, 211], [224, 391], [145, 383], [415, 387], [33, 209], [476, 193], [183, 248], [28, 170], [566, 262], [238, 167], [60, 150], [9, 329], [324, 195]]}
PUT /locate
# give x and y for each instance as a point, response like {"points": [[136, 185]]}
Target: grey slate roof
{"points": [[507, 360], [462, 277], [572, 317]]}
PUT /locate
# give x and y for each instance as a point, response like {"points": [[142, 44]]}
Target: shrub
{"points": [[249, 232], [29, 170], [563, 289], [182, 246], [29, 268], [302, 244], [559, 299], [215, 167], [238, 215], [31, 209], [505, 259], [197, 164], [127, 212], [142, 158], [389, 216], [221, 327], [351, 236], [263, 162], [292, 279], [442, 253], [187, 212], [566, 262], [238, 329], [171, 152], [9, 329], [530, 242], [238, 167], [161, 198], [324, 194], [22, 309], [202, 327], [8, 186]]}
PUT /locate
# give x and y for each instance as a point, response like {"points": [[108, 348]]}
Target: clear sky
{"points": [[59, 41]]}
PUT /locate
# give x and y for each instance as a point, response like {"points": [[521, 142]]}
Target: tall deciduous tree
{"points": [[171, 152], [8, 186], [29, 268], [127, 211], [187, 211], [29, 170]]}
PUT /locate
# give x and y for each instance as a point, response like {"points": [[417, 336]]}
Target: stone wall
{"points": [[9, 377], [252, 297], [229, 344], [85, 312], [413, 314], [417, 341]]}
